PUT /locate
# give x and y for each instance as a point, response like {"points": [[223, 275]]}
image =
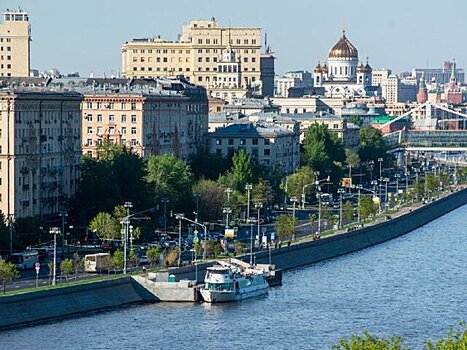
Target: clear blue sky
{"points": [[86, 35]]}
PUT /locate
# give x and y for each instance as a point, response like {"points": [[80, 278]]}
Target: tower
{"points": [[422, 94]]}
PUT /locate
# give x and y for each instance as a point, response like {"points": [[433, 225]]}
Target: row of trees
{"points": [[456, 339]]}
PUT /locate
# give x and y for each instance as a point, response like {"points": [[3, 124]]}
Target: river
{"points": [[414, 286]]}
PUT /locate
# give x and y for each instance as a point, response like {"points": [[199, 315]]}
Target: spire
{"points": [[453, 71]]}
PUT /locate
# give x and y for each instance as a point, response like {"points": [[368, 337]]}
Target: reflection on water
{"points": [[413, 286]]}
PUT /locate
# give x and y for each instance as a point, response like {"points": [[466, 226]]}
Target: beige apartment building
{"points": [[40, 151], [14, 44], [149, 117], [196, 54]]}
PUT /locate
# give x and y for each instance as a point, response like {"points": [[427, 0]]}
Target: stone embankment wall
{"points": [[39, 306], [33, 307]]}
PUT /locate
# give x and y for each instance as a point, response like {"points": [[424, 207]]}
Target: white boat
{"points": [[231, 282]]}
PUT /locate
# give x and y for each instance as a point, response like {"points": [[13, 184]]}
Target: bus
{"points": [[24, 260], [96, 262]]}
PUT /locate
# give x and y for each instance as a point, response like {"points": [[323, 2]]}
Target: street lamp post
{"points": [[227, 211], [397, 176], [248, 188], [358, 204], [165, 201], [54, 231], [197, 196], [386, 180], [10, 229], [63, 214], [294, 200], [251, 240], [179, 217], [258, 206], [371, 163], [319, 210], [126, 223], [340, 191]]}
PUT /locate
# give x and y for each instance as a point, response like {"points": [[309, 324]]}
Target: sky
{"points": [[85, 36]]}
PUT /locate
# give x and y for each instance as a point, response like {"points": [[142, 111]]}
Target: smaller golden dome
{"points": [[361, 68], [318, 68]]}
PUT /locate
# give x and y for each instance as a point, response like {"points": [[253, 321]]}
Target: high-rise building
{"points": [[196, 54], [40, 151], [439, 75], [14, 44]]}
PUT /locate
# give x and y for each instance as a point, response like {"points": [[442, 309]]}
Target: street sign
{"points": [[346, 182]]}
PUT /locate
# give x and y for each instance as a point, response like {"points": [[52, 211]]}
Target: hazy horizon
{"points": [[86, 36]]}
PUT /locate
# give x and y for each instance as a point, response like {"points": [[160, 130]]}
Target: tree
{"points": [[294, 183], [431, 182], [367, 207], [209, 166], [169, 177], [8, 273], [262, 192], [4, 232], [133, 259], [371, 145], [211, 195], [347, 212], [369, 342], [118, 259], [455, 340], [105, 226], [352, 159], [242, 169], [153, 254], [66, 268], [78, 264], [322, 148], [240, 248], [171, 258], [285, 227]]}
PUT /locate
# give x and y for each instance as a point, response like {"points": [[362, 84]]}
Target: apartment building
{"points": [[14, 44], [147, 116], [271, 145], [40, 151], [197, 53]]}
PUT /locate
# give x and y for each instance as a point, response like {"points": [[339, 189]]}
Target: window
{"points": [[89, 142], [133, 142], [89, 105], [123, 130], [253, 41], [88, 117], [89, 130], [133, 118], [200, 59], [123, 118], [99, 117], [255, 141], [267, 152], [99, 131], [200, 41], [231, 142], [133, 105], [245, 59], [218, 152], [111, 105], [133, 130], [218, 141], [242, 142], [267, 141], [111, 118], [123, 105]]}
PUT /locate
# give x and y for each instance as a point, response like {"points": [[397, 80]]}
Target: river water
{"points": [[414, 286]]}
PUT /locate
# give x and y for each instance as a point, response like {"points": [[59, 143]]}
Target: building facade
{"points": [[271, 145], [439, 75], [40, 151], [196, 55], [148, 116], [14, 44]]}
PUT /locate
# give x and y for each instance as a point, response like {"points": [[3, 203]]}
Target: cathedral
{"points": [[343, 76]]}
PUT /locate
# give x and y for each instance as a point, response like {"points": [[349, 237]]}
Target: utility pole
{"points": [[54, 231], [179, 217], [258, 206], [319, 210], [340, 191], [248, 188], [294, 200], [126, 223], [358, 205]]}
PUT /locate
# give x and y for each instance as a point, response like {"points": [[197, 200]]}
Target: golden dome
{"points": [[343, 49], [318, 68], [325, 69], [361, 68]]}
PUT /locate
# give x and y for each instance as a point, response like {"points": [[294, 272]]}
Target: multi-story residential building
{"points": [[393, 89], [196, 55], [40, 151], [14, 44], [249, 106], [148, 116], [271, 145]]}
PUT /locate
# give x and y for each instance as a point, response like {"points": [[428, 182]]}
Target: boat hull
{"points": [[214, 296]]}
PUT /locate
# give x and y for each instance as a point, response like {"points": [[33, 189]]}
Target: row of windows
{"points": [[8, 58], [230, 142], [216, 42], [110, 105], [8, 40], [8, 66], [99, 118], [89, 142], [2, 48], [254, 152], [99, 130], [160, 51]]}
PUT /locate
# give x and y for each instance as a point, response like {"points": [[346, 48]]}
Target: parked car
{"points": [[143, 260]]}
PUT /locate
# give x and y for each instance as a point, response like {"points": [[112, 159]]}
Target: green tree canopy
{"points": [[285, 227], [171, 178], [372, 145], [262, 192], [211, 196], [209, 166], [242, 169], [367, 207], [369, 342], [322, 148], [106, 226], [8, 273], [352, 158], [66, 267], [294, 183]]}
